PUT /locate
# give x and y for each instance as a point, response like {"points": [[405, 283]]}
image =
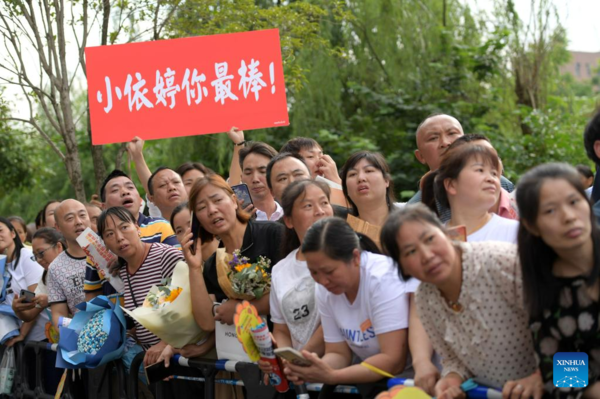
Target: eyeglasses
{"points": [[40, 255]]}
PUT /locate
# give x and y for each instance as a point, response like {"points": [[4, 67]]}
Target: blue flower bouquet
{"points": [[9, 324], [95, 335], [4, 277]]}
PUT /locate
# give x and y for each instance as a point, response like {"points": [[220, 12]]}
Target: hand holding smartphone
{"points": [[243, 194], [28, 295], [293, 356]]}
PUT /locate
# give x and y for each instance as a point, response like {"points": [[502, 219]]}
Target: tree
{"points": [[47, 29], [537, 49], [16, 155]]}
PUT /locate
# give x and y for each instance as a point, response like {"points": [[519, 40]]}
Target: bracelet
{"points": [[243, 142], [213, 308]]}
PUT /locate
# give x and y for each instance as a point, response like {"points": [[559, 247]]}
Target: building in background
{"points": [[583, 66]]}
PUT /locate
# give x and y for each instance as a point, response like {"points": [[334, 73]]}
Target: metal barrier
{"points": [[22, 388], [249, 373], [132, 379], [124, 386]]}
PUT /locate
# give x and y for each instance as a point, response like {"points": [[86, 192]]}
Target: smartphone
{"points": [[28, 296], [243, 194], [195, 232], [158, 372], [292, 356]]}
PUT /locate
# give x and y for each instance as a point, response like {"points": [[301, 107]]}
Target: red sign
{"points": [[185, 87]]}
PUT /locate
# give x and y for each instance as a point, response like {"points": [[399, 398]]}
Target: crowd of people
{"points": [[472, 277]]}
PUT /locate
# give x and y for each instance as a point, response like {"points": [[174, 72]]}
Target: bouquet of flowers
{"points": [[4, 277], [241, 279], [167, 310], [160, 296], [95, 335], [9, 324]]}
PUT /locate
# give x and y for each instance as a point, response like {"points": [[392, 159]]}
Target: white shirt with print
{"points": [[381, 306], [292, 299], [66, 275]]}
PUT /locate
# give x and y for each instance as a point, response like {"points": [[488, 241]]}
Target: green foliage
{"points": [[16, 151], [298, 23], [363, 75]]}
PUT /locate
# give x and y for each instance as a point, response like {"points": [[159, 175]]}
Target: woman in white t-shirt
{"points": [[468, 181], [363, 306], [47, 244], [294, 313], [20, 273]]}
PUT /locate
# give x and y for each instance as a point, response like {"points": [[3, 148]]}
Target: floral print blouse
{"points": [[489, 338], [571, 325]]}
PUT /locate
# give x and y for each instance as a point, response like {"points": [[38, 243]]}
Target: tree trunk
{"points": [[72, 161], [119, 160], [98, 150], [97, 157]]}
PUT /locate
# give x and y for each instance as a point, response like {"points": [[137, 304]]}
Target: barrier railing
{"points": [[123, 386], [21, 388], [250, 378], [114, 375]]}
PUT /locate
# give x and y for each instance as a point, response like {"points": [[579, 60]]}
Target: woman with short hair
{"points": [[468, 182]]}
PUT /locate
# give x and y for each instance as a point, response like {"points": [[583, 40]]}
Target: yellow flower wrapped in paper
{"points": [[240, 279], [167, 311]]}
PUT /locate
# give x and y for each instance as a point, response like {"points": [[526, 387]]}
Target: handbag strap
{"points": [[131, 289]]}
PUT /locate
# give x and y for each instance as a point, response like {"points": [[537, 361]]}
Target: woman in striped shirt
{"points": [[142, 265]]}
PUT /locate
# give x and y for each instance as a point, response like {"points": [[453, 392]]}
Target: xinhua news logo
{"points": [[570, 370]]}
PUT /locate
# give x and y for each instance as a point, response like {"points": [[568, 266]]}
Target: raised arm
{"points": [[202, 304], [136, 150], [235, 171]]}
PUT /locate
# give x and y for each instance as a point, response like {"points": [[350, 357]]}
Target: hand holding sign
{"points": [[236, 135]]}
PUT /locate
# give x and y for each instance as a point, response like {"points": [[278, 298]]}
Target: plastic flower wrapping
{"points": [[160, 296], [9, 324], [241, 279], [167, 311], [4, 277], [95, 335]]}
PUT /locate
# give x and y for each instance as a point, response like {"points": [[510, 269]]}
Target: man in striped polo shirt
{"points": [[118, 190]]}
